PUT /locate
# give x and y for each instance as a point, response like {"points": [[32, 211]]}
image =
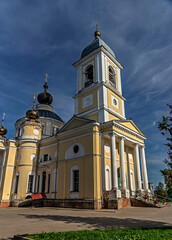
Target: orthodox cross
{"points": [[34, 100], [46, 77], [3, 117]]}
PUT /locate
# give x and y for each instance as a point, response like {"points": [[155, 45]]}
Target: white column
{"points": [[122, 164], [137, 162], [144, 169], [124, 191], [102, 163], [113, 162]]}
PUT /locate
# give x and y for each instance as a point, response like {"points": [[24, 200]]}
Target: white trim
{"points": [[123, 108], [23, 147], [29, 137], [113, 98], [97, 67], [70, 152]]}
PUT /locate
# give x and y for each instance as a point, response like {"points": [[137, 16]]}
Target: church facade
{"points": [[95, 160]]}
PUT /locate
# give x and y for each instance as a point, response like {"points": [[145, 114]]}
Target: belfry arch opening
{"points": [[89, 75], [112, 76]]}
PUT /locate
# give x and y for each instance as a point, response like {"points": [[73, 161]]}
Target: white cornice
{"points": [[125, 129]]}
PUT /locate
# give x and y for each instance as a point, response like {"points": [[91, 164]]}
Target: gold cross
{"points": [[3, 117], [34, 100], [46, 77]]}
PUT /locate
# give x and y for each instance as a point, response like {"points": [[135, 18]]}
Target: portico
{"points": [[127, 159]]}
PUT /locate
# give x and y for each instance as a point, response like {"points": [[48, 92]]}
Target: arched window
{"points": [[108, 178], [112, 77], [89, 75], [43, 181]]}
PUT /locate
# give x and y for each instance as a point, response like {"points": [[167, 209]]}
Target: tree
{"points": [[159, 190], [166, 129]]}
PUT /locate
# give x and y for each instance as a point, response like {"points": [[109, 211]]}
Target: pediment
{"points": [[131, 125], [75, 122]]}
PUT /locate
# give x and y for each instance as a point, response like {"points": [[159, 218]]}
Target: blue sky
{"points": [[48, 36]]}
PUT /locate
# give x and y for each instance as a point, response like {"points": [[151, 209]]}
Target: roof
{"points": [[97, 42], [49, 114]]}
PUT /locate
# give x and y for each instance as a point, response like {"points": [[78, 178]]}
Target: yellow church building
{"points": [[92, 161]]}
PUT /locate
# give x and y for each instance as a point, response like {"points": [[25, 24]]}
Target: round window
{"points": [[76, 148], [114, 101]]}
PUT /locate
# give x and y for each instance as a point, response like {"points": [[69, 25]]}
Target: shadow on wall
{"points": [[101, 222]]}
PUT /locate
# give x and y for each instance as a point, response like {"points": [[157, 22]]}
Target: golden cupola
{"points": [[33, 113], [3, 130]]}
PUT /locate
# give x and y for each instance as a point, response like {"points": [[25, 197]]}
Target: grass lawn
{"points": [[117, 234]]}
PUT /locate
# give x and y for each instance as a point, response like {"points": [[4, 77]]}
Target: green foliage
{"points": [[166, 129], [115, 234], [159, 190]]}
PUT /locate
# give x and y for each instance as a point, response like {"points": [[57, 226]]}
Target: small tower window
{"points": [[112, 77], [89, 75]]}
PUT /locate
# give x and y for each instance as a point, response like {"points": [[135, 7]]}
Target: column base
{"points": [[125, 193], [140, 192], [114, 194]]}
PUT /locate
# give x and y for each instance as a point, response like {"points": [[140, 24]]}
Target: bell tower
{"points": [[98, 92]]}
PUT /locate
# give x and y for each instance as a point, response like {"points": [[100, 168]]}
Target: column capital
{"points": [[122, 138], [112, 134], [142, 146]]}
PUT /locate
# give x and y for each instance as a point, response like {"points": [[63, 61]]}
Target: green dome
{"points": [[98, 42]]}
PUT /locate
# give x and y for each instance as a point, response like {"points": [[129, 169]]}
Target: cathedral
{"points": [[96, 160]]}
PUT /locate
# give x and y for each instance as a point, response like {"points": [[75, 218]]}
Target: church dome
{"points": [[96, 43], [3, 130], [45, 98]]}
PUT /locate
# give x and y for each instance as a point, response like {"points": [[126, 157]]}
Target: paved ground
{"points": [[35, 220]]}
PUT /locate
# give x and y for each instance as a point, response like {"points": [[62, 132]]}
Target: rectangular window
{"points": [[30, 184], [38, 181], [76, 180], [48, 186], [16, 184]]}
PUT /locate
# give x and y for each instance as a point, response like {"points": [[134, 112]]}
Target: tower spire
{"points": [[97, 33]]}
